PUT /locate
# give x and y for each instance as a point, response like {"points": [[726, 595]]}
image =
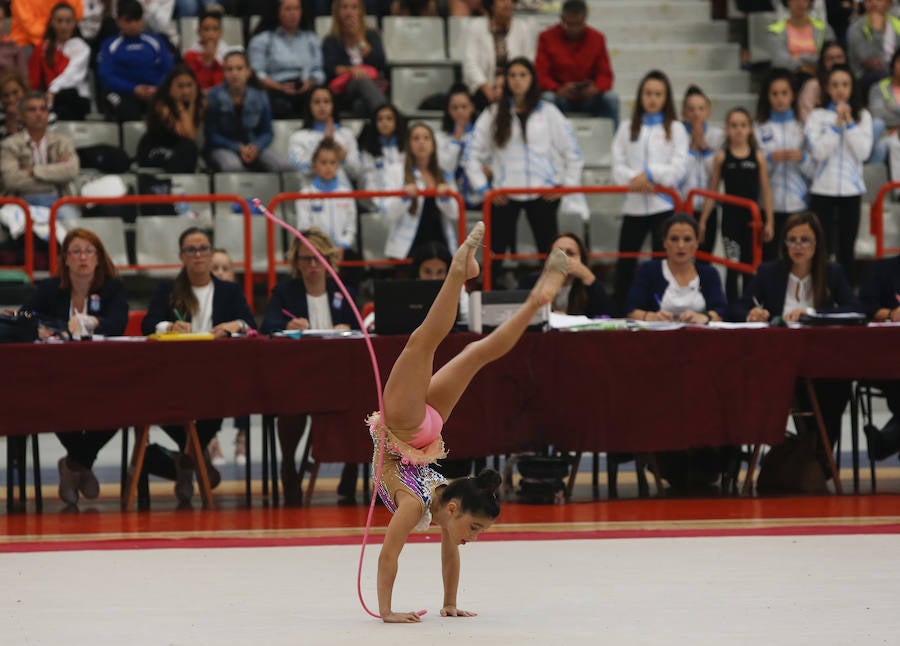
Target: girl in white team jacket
{"points": [[839, 137], [417, 220], [650, 149], [321, 123], [526, 142]]}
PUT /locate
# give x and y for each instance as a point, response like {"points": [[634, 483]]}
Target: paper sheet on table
{"points": [[578, 323], [744, 325]]}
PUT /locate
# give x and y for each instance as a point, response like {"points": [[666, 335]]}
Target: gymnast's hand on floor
{"points": [[400, 618], [453, 611]]}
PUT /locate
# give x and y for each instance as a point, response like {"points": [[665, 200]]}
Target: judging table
{"points": [[585, 391]]}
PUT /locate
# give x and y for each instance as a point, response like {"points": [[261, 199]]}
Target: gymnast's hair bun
{"points": [[488, 480]]}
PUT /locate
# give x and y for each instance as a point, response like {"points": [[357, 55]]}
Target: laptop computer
{"points": [[401, 305]]}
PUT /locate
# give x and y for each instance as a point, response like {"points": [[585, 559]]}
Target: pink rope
{"points": [[327, 265]]}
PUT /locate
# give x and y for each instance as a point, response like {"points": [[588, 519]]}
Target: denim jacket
{"points": [[222, 129]]}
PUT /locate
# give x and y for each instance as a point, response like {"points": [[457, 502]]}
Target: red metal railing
{"points": [[756, 224], [357, 195], [876, 220], [163, 199], [28, 267], [488, 256]]}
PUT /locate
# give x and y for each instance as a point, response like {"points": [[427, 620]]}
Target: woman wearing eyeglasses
{"points": [[196, 301], [803, 281], [309, 300], [85, 298]]}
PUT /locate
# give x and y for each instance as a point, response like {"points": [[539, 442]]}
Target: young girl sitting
{"points": [[781, 139], [457, 130], [336, 217], [743, 168], [381, 147], [207, 56], [59, 65], [419, 403], [322, 124]]}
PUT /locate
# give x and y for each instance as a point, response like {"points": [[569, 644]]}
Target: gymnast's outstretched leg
{"points": [[405, 393], [451, 381]]}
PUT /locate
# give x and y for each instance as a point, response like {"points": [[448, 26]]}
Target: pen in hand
{"points": [[288, 314], [757, 303]]}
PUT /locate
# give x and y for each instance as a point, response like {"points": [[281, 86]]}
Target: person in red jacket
{"points": [[573, 66]]}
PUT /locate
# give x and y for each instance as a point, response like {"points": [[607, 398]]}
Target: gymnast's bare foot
{"points": [[556, 268], [466, 252]]}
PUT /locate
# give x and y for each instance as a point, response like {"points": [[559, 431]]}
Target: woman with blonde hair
{"points": [[309, 299]]}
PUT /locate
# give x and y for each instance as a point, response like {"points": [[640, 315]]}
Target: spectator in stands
{"points": [[159, 18], [207, 56], [457, 130], [59, 66], [12, 90], [415, 220], [781, 138], [189, 8], [803, 281], [648, 150], [795, 42], [354, 59], [741, 166], [489, 46], [811, 91], [12, 57], [885, 110], [321, 123], [239, 122], [86, 298], [96, 19], [336, 217], [582, 293], [30, 18], [706, 139], [381, 146], [527, 142], [287, 57], [675, 288], [573, 65], [310, 299], [196, 301], [38, 164], [466, 8], [174, 121], [840, 139], [880, 296], [414, 8], [871, 42], [131, 65]]}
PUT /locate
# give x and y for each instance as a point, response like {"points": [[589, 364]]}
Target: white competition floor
{"points": [[810, 589]]}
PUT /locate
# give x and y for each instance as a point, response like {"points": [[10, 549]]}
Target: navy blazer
{"points": [[51, 303], [882, 288], [290, 295], [334, 53], [228, 304], [769, 287], [650, 283], [598, 301]]}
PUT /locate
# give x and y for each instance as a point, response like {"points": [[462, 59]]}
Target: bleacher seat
{"points": [[156, 239], [132, 131], [606, 210], [192, 184], [89, 133], [413, 40], [111, 232], [265, 186], [323, 25], [594, 138], [374, 229], [409, 85], [228, 227], [456, 27], [282, 129], [232, 31]]}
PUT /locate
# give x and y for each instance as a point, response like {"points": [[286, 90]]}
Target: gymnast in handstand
{"points": [[420, 403]]}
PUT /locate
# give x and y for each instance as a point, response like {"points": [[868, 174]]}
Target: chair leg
{"points": [[573, 473], [649, 460], [854, 434], [21, 459], [273, 463], [142, 435], [247, 471], [823, 435], [10, 467], [612, 477], [194, 449], [367, 481], [267, 421], [36, 467], [595, 475], [123, 474], [869, 415]]}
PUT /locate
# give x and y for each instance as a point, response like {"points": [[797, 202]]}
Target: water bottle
{"points": [[182, 208]]}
